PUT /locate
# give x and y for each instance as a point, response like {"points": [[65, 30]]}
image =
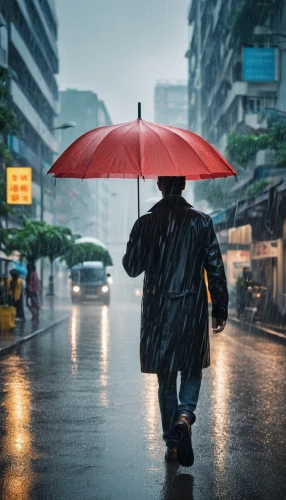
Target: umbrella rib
{"points": [[86, 146], [201, 160], [109, 132], [220, 155], [168, 130], [114, 127], [161, 140]]}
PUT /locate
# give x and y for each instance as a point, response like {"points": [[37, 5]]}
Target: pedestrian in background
{"points": [[244, 282], [33, 291], [173, 244], [15, 294]]}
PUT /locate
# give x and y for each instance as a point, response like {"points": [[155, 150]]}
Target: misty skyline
{"points": [[120, 49]]}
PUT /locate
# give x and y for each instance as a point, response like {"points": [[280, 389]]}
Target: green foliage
{"points": [[243, 147], [4, 236], [27, 240], [56, 241], [257, 188], [5, 209], [82, 252], [38, 239], [8, 124], [277, 141]]}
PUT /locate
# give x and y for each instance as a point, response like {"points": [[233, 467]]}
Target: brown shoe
{"points": [[171, 455], [185, 453]]}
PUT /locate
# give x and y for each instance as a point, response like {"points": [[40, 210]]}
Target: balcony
{"points": [[33, 68], [50, 52], [21, 101], [251, 119], [46, 28], [238, 89]]}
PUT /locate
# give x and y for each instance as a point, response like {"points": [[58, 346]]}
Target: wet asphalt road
{"points": [[79, 420]]}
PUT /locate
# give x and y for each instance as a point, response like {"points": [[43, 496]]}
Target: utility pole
{"points": [[64, 126]]}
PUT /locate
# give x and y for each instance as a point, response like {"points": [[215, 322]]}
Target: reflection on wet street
{"points": [[18, 449], [79, 420]]}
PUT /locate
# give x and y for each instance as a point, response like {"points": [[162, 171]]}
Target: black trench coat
{"points": [[173, 244]]}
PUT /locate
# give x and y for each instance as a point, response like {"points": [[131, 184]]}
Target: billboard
{"points": [[19, 185], [259, 64], [265, 249]]}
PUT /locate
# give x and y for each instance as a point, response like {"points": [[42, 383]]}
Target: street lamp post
{"points": [[64, 126]]}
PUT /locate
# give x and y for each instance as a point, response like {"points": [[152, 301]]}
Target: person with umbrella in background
{"points": [[15, 293], [173, 244], [243, 295]]}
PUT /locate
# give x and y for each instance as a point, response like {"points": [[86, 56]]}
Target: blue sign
{"points": [[259, 64]]}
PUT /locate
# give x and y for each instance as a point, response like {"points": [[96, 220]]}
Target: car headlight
{"points": [[76, 288], [104, 289]]}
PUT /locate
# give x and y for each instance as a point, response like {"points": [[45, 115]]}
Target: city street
{"points": [[79, 420]]}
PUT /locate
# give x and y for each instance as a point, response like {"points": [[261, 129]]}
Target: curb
{"points": [[259, 329], [21, 340]]}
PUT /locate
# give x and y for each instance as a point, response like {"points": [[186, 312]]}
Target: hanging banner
{"points": [[19, 185]]}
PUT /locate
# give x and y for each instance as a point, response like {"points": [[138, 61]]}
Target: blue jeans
{"points": [[168, 401]]}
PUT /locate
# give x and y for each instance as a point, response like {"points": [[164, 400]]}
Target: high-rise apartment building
{"points": [[237, 78], [28, 49], [171, 103], [235, 65], [87, 201]]}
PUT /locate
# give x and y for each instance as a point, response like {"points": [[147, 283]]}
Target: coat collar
{"points": [[170, 201]]}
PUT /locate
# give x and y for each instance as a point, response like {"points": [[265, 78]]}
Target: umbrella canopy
{"points": [[21, 268], [141, 149], [89, 239]]}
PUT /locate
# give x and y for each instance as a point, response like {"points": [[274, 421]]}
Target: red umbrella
{"points": [[141, 149]]}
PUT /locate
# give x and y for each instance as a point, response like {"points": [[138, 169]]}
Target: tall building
{"points": [[28, 48], [87, 203], [235, 66], [171, 103], [171, 108], [237, 77]]}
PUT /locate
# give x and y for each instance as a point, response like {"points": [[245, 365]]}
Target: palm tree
{"points": [[37, 240], [27, 240]]}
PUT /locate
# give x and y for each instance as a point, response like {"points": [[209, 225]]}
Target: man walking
{"points": [[173, 244]]}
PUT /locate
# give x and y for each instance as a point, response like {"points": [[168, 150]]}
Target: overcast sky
{"points": [[119, 48]]}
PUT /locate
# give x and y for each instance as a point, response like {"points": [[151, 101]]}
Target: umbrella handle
{"points": [[138, 196]]}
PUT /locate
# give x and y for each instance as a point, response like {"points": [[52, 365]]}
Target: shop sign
{"points": [[265, 249], [19, 185], [260, 64]]}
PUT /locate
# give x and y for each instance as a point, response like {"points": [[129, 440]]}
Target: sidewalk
{"points": [[52, 313], [273, 331]]}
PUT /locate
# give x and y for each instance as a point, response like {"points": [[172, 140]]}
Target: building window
{"points": [[236, 71], [252, 105]]}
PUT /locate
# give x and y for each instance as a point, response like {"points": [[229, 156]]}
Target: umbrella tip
{"points": [[139, 110]]}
